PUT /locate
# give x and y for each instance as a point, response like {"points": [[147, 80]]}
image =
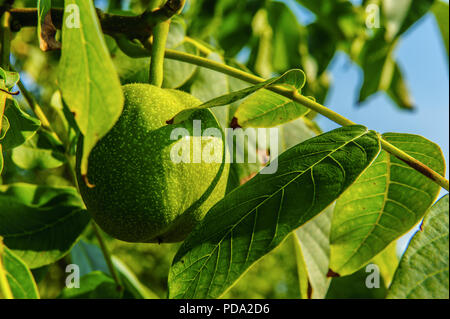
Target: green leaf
{"points": [[209, 84], [43, 7], [177, 73], [290, 78], [90, 258], [256, 217], [262, 282], [95, 285], [385, 202], [4, 127], [315, 245], [19, 276], [402, 14], [441, 11], [267, 109], [40, 224], [424, 271], [87, 78], [40, 152], [8, 79], [22, 125], [387, 261], [382, 73], [354, 287]]}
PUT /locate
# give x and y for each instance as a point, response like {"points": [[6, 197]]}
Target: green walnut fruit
{"points": [[138, 192]]}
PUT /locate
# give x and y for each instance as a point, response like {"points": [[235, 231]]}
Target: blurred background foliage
{"points": [[262, 36]]}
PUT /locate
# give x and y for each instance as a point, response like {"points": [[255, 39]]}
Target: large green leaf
{"points": [[292, 78], [21, 125], [441, 12], [87, 78], [256, 217], [262, 282], [385, 202], [19, 276], [423, 272], [40, 224]]}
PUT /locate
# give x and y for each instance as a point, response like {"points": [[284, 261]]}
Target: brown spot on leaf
{"points": [[332, 274], [169, 121], [234, 124]]}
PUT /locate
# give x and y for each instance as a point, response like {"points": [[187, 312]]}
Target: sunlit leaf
{"points": [[19, 276], [424, 272], [87, 78], [383, 204], [256, 217], [291, 78]]}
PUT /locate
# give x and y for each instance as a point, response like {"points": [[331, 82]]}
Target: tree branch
{"points": [[133, 26]]}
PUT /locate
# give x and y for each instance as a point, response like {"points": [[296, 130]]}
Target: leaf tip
{"points": [[86, 181]]}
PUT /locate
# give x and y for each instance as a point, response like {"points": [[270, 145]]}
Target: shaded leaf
{"points": [[90, 258], [40, 224], [423, 272], [384, 203], [87, 78], [314, 239], [95, 285], [177, 73], [354, 287], [256, 217]]}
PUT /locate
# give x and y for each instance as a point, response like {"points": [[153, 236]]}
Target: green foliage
{"points": [[261, 213], [43, 222], [92, 92], [423, 270], [337, 202], [384, 203], [20, 279]]}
